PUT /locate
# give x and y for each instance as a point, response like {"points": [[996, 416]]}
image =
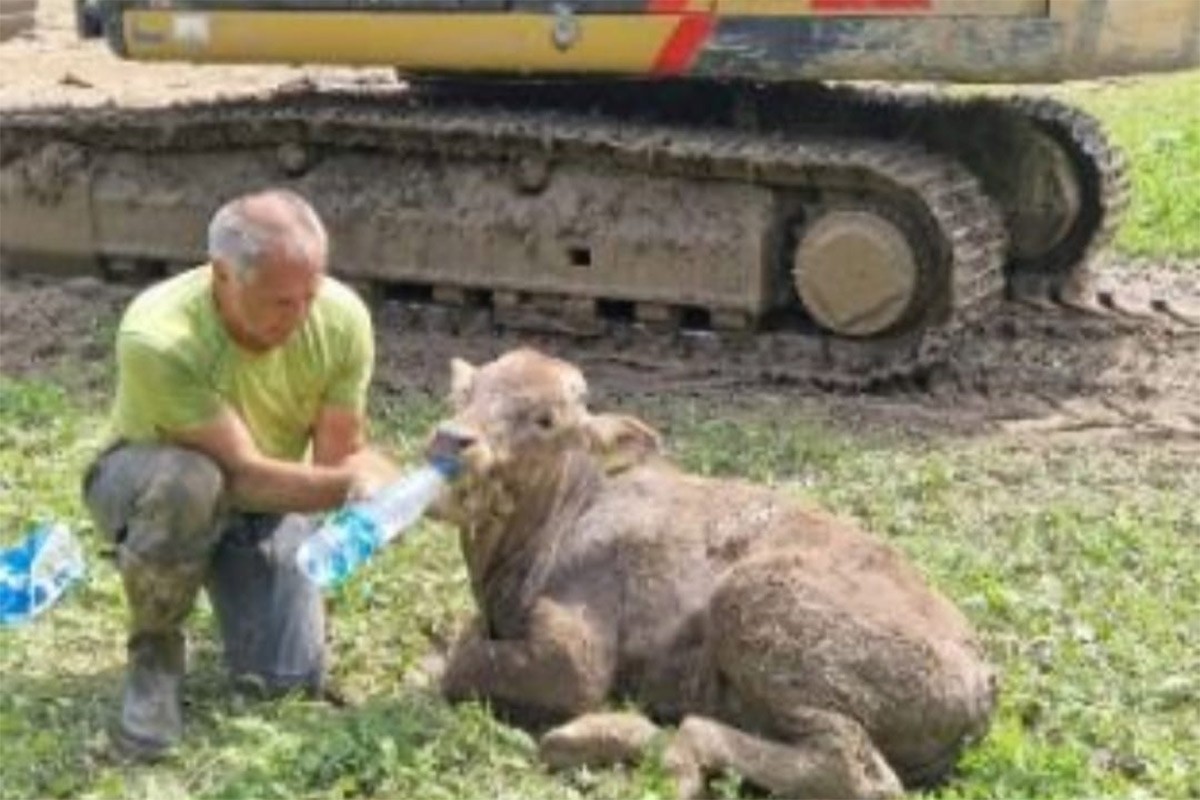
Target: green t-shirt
{"points": [[177, 366]]}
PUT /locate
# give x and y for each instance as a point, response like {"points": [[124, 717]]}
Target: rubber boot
{"points": [[151, 721], [160, 596]]}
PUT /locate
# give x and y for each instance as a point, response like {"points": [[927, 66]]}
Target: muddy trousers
{"points": [[164, 509]]}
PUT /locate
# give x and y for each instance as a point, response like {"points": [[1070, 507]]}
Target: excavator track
{"points": [[1068, 170], [990, 135], [1062, 270], [52, 157]]}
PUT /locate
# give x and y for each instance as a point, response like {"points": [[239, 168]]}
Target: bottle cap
{"points": [[448, 466]]}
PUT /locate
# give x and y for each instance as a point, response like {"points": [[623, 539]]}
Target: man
{"points": [[241, 389]]}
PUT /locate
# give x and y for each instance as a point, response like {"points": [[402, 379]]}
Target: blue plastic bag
{"points": [[36, 572]]}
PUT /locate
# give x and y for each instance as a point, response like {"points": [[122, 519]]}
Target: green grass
{"points": [[1156, 120], [1073, 563], [1077, 564]]}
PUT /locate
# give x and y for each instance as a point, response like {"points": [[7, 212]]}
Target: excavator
{"points": [[792, 171]]}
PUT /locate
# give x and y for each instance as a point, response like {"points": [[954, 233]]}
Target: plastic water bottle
{"points": [[35, 573], [352, 534]]}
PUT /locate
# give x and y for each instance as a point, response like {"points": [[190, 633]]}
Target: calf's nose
{"points": [[448, 443]]}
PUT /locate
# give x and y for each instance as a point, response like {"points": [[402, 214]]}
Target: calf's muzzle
{"points": [[448, 444]]}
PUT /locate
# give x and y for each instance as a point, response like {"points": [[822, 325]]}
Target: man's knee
{"points": [[187, 493], [158, 501]]}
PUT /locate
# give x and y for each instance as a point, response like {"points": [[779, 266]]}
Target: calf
{"points": [[787, 645]]}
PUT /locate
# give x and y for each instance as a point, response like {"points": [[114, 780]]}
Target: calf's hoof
{"points": [[597, 740]]}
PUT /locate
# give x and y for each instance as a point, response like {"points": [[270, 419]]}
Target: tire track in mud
{"points": [[1024, 371]]}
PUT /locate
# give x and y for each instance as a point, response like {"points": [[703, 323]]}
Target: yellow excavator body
{"points": [[959, 40]]}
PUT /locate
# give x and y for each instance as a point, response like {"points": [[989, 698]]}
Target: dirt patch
{"points": [[60, 330], [1040, 372], [1026, 372]]}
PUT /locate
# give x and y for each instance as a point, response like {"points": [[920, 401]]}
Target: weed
{"points": [[1069, 563], [1076, 564]]}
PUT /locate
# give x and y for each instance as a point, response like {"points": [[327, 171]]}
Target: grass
{"points": [[1076, 563], [1068, 560]]}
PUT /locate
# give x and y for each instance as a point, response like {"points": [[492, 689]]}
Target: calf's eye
{"points": [[544, 420]]}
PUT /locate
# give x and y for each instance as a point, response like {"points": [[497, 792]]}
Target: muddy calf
{"points": [[787, 645]]}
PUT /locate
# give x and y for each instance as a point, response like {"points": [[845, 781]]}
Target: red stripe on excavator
{"points": [[666, 6], [682, 45], [838, 6]]}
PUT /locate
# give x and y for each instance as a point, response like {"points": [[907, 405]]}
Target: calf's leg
{"points": [[561, 668], [600, 739], [830, 756]]}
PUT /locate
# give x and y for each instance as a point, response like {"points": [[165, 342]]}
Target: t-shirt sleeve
{"points": [[161, 389], [354, 360]]}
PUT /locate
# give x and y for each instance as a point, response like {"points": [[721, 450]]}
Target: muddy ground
{"points": [[1026, 372]]}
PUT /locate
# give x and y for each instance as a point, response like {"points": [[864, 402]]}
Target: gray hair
{"points": [[241, 240]]}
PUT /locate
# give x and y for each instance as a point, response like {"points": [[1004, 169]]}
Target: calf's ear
{"points": [[621, 441], [462, 375]]}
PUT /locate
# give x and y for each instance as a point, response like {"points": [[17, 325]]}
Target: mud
{"points": [[1023, 372]]}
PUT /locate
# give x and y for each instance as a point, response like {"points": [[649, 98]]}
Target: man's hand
{"points": [[370, 471]]}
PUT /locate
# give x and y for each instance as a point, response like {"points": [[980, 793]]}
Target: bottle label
{"points": [[344, 542]]}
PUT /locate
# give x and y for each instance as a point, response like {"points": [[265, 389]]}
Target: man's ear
{"points": [[462, 375], [621, 441], [222, 272]]}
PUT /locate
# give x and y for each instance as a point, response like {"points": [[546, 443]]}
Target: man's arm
{"points": [[339, 438], [262, 483], [338, 434]]}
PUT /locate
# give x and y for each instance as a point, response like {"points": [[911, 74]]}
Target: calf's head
{"points": [[520, 424]]}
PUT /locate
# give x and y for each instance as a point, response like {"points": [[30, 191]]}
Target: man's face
{"points": [[274, 299]]}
